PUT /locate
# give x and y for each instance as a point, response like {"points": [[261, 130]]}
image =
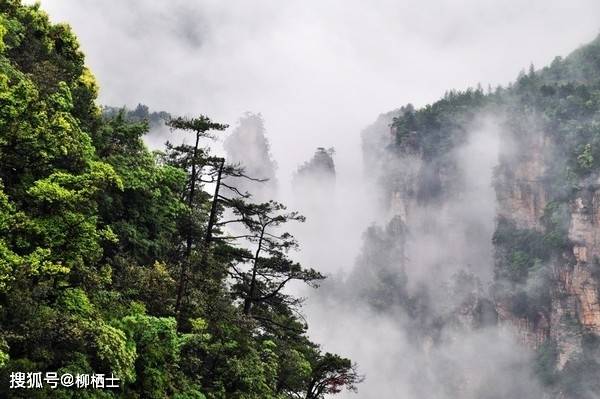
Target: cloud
{"points": [[318, 71]]}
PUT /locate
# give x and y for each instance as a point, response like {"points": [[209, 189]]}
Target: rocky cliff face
{"points": [[574, 287], [577, 291], [519, 185], [248, 146], [521, 201], [545, 288]]}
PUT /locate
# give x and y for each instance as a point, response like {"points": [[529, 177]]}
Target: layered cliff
{"points": [[249, 147]]}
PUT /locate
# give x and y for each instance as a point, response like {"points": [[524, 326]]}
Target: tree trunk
{"points": [[189, 239], [250, 297], [213, 210]]}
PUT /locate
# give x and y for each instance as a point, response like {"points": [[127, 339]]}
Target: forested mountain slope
{"points": [[114, 259]]}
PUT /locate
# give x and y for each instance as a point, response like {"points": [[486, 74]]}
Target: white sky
{"points": [[318, 71]]}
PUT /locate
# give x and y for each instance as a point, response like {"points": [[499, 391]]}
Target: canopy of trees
{"points": [[117, 259]]}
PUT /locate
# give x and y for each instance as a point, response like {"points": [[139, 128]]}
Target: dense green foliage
{"points": [[141, 113], [321, 165], [114, 259], [436, 128]]}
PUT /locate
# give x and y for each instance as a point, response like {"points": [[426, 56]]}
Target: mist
{"points": [[320, 71], [411, 310]]}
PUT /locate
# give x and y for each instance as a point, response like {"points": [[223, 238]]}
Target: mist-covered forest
{"points": [[455, 255]]}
